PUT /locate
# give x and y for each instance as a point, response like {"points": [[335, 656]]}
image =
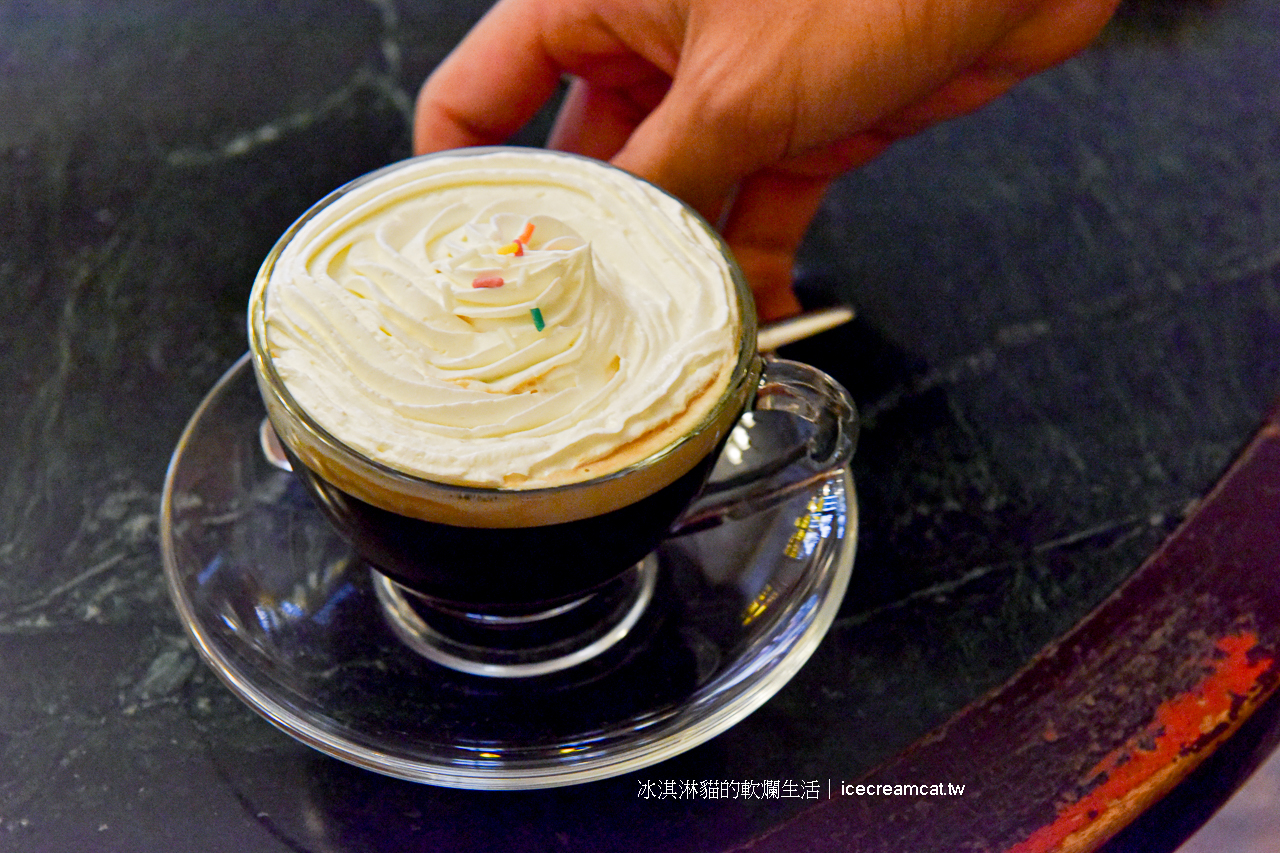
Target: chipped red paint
{"points": [[1181, 730], [1167, 669]]}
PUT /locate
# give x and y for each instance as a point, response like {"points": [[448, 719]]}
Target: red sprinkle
{"points": [[488, 281]]}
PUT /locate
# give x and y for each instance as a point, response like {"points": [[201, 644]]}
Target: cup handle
{"points": [[801, 427]]}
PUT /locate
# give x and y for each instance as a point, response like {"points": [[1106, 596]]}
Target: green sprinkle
{"points": [[538, 322]]}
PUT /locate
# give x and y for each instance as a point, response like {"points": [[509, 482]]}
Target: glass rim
{"points": [[745, 369]]}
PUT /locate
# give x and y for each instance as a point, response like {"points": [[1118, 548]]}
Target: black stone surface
{"points": [[1069, 325]]}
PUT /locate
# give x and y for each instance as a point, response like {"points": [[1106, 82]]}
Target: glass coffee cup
{"points": [[516, 579]]}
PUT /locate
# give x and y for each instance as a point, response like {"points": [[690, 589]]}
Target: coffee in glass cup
{"points": [[503, 374]]}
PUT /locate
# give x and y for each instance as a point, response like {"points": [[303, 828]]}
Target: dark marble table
{"points": [[1069, 329]]}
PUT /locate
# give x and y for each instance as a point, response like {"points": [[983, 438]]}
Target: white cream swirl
{"points": [[616, 318]]}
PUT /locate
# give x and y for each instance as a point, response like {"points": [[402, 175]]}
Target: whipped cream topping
{"points": [[513, 318]]}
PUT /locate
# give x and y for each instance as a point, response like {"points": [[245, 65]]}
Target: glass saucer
{"points": [[289, 618]]}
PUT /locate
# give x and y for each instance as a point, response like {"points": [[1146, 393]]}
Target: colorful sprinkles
{"points": [[516, 246]]}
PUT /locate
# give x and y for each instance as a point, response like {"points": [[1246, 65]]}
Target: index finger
{"points": [[492, 83]]}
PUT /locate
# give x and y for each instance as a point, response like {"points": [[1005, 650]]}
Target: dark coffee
{"points": [[505, 569]]}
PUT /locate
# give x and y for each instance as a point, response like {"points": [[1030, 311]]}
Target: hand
{"points": [[746, 110]]}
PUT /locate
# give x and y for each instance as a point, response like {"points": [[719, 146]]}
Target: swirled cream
{"points": [[512, 319]]}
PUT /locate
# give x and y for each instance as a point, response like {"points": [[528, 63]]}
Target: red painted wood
{"points": [[1104, 722]]}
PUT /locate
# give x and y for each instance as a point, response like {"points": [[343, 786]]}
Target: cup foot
{"points": [[522, 644]]}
